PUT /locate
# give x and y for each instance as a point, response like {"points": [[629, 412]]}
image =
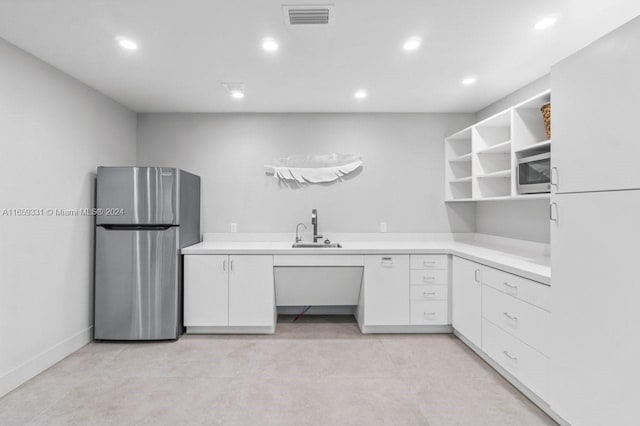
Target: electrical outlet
{"points": [[234, 227], [383, 226]]}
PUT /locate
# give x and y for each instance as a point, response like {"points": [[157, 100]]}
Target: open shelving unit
{"points": [[481, 160]]}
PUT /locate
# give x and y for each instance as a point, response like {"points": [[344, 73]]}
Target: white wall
{"points": [[54, 132], [401, 182], [524, 220]]}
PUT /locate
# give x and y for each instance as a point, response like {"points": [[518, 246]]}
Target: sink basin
{"points": [[316, 245]]}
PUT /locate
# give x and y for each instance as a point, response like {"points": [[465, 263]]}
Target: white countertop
{"points": [[517, 260]]}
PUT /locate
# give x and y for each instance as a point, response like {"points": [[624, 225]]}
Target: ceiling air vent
{"points": [[308, 14]]}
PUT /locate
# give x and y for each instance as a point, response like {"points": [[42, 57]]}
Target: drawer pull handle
{"points": [[506, 314], [514, 287], [477, 275], [386, 261], [224, 266], [428, 293], [426, 278], [429, 262], [428, 314], [511, 357]]}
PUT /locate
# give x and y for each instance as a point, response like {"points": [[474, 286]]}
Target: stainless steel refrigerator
{"points": [[146, 215]]}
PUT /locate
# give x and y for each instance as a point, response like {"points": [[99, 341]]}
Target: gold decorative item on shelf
{"points": [[546, 116]]}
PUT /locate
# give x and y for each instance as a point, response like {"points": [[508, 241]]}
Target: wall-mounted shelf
{"points": [[507, 198], [461, 159], [536, 146], [500, 148], [481, 160], [462, 180], [498, 174]]}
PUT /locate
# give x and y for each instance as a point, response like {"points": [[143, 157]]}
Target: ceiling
{"points": [[188, 48]]}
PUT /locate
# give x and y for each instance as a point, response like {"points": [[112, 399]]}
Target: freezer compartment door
{"points": [[136, 284], [137, 195]]}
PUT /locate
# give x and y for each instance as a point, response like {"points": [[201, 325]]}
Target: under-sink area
{"points": [[317, 285], [310, 280]]}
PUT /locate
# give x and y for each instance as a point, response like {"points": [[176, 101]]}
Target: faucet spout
{"points": [[298, 237]]}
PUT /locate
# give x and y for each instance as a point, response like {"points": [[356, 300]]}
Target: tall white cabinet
{"points": [[595, 308], [595, 230], [596, 100]]}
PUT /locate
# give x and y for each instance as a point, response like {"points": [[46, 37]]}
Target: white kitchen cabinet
{"points": [[386, 290], [206, 290], [251, 290], [595, 308], [467, 299], [228, 291], [596, 99], [525, 363], [522, 320], [429, 312]]}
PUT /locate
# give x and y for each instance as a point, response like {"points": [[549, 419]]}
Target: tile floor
{"points": [[317, 371]]}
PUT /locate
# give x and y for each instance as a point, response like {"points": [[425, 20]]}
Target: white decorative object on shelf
{"points": [[314, 168]]}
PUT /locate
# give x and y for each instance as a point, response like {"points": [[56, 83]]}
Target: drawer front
{"points": [[523, 362], [530, 291], [429, 292], [429, 312], [429, 261], [520, 319], [429, 276]]}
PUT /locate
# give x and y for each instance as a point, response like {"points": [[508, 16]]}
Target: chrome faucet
{"points": [[298, 237], [314, 222]]}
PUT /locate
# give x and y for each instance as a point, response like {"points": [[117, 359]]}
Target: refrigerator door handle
{"points": [[136, 227]]}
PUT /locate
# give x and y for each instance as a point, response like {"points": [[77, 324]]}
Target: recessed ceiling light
{"points": [[360, 94], [237, 94], [412, 43], [127, 43], [545, 23], [467, 81], [270, 44]]}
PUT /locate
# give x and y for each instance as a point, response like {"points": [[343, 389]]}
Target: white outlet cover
{"points": [[234, 227], [383, 226]]}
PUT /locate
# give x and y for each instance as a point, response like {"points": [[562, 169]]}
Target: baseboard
{"points": [[45, 359], [406, 329], [232, 330], [542, 404]]}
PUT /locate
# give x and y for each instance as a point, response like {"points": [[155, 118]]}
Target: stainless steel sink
{"points": [[316, 245]]}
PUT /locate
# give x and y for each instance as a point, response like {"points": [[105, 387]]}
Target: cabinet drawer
{"points": [[429, 261], [523, 362], [427, 276], [429, 312], [530, 291], [429, 292], [522, 320]]}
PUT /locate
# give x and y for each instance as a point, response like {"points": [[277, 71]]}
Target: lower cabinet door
{"points": [[386, 290], [251, 290], [206, 290], [467, 299], [525, 363]]}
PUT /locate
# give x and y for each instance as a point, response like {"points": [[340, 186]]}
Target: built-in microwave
{"points": [[534, 174]]}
